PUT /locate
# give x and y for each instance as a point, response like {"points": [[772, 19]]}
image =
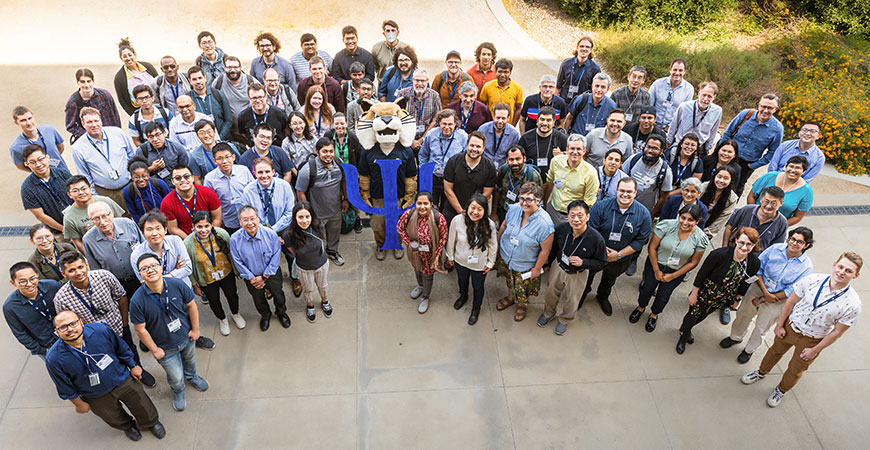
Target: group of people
{"points": [[220, 172]]}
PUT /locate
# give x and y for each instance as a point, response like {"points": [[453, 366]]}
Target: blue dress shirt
{"points": [[438, 149], [779, 272], [496, 147], [229, 190], [70, 368], [258, 255], [282, 197], [92, 161], [754, 138], [173, 251], [787, 149], [666, 100], [633, 228]]}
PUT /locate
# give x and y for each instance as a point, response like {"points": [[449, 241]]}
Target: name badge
{"points": [[673, 261], [104, 362], [512, 196], [218, 275], [526, 275], [573, 90], [423, 248], [114, 174], [628, 117], [163, 173], [515, 241], [752, 279], [614, 236], [559, 184], [769, 283], [565, 259], [668, 104], [54, 163], [174, 326], [542, 161], [421, 128], [473, 259], [94, 379], [590, 126]]}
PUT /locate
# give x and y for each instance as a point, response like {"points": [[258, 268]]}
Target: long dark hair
{"points": [[710, 193], [480, 233], [712, 159], [223, 245], [295, 236]]}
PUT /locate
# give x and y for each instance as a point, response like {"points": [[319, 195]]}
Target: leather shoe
{"points": [[264, 322], [297, 288], [475, 311], [743, 357], [690, 338], [727, 342], [651, 324], [284, 319], [460, 302], [606, 307], [158, 431], [148, 380], [133, 433], [681, 345], [635, 315]]}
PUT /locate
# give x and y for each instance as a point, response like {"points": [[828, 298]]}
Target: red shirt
{"points": [[204, 198], [480, 78]]}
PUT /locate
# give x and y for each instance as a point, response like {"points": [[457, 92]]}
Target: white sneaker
{"points": [[751, 377], [415, 293], [239, 320], [225, 327], [423, 306], [775, 397]]}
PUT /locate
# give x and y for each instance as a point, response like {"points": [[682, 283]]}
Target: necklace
{"points": [[785, 177]]}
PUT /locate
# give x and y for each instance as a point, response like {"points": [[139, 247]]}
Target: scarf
{"points": [[429, 235]]}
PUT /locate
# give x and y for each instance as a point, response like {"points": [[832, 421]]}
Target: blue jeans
{"points": [[180, 364]]}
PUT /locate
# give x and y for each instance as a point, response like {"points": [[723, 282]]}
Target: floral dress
{"points": [[714, 294]]}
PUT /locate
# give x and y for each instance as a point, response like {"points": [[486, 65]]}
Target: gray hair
{"points": [[98, 206], [603, 76], [691, 181], [574, 137], [467, 86], [420, 70], [640, 69], [548, 78]]}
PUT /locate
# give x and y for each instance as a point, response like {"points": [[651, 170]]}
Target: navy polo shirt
{"points": [[144, 308], [28, 325], [369, 167], [634, 226], [50, 196], [70, 369]]}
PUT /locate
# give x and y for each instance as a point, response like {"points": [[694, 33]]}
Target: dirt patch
{"points": [[547, 24]]}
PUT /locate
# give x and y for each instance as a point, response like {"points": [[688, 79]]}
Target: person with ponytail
{"points": [[143, 193]]}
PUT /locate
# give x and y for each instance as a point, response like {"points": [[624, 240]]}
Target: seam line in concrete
{"points": [[496, 7]]}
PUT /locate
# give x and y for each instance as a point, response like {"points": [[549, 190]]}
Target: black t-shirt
{"points": [[532, 105], [275, 118], [467, 181], [639, 139], [540, 149], [589, 247]]}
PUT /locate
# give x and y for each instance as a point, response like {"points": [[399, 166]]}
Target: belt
{"points": [[793, 327]]}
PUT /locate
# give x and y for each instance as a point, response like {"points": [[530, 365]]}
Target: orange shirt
{"points": [[480, 77]]}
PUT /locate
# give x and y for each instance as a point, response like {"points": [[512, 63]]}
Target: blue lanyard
{"points": [[418, 110], [211, 256], [173, 88], [108, 154], [265, 116], [150, 190], [90, 297], [274, 99], [50, 185], [576, 80], [156, 298], [511, 185], [84, 354], [56, 268], [606, 181], [681, 168], [208, 157], [44, 311], [597, 113], [452, 93], [185, 204], [441, 144], [819, 292], [694, 110], [39, 139], [463, 117], [317, 125]]}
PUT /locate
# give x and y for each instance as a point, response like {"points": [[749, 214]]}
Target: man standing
{"points": [[701, 117], [384, 51], [439, 145], [261, 113], [667, 93], [169, 86], [165, 316], [234, 85], [600, 141], [169, 249], [398, 76], [42, 192], [182, 127], [543, 142], [228, 181], [500, 135], [75, 217], [350, 54], [576, 74], [533, 104], [654, 177], [321, 183], [213, 103], [268, 45], [350, 87], [468, 174], [472, 113], [272, 197], [264, 148], [819, 310], [185, 200], [483, 71], [102, 155], [631, 98], [446, 83], [503, 90], [569, 178], [589, 111], [424, 105], [212, 58], [511, 175], [804, 146], [45, 136], [88, 96], [92, 369], [642, 128], [318, 77], [354, 110], [625, 226], [256, 252], [29, 310], [162, 154], [301, 60], [277, 95], [109, 244], [145, 114], [756, 132]]}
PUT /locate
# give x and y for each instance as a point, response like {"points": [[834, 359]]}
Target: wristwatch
{"points": [[619, 254]]}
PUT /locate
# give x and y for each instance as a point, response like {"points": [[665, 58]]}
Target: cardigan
{"points": [[717, 264]]}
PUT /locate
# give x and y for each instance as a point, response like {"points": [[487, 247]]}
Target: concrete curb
{"points": [[831, 171], [496, 7]]}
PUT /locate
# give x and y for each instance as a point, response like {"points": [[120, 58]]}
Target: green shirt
{"points": [[673, 249]]}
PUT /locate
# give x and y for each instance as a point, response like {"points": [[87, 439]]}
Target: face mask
{"points": [[391, 37], [649, 160]]}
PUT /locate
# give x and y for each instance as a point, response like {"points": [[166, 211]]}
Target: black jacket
{"points": [[717, 264], [121, 92]]}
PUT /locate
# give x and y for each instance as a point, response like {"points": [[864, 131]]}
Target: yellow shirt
{"points": [[569, 184], [222, 266], [492, 94]]}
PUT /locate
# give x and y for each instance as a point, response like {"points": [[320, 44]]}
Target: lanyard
{"points": [[56, 268], [85, 355], [341, 150], [90, 297], [766, 229], [173, 88], [211, 256], [44, 311], [181, 200], [151, 195], [613, 222], [266, 196], [317, 125], [546, 149], [496, 138], [39, 138], [604, 180], [108, 154], [418, 110], [829, 300], [265, 116], [628, 96], [441, 144], [576, 80], [50, 186], [464, 118], [597, 113], [694, 110], [511, 185], [156, 298], [208, 157], [452, 92], [274, 99], [571, 235], [681, 169]]}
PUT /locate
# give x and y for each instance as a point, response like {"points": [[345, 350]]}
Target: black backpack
{"points": [[312, 172], [138, 125], [660, 178]]}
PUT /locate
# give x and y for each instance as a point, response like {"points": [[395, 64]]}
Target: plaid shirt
{"points": [[103, 101], [106, 290], [631, 104], [428, 107]]}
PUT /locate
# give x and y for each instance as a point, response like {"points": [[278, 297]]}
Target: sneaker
{"points": [[725, 315], [178, 402], [632, 268], [543, 320], [310, 314], [751, 377], [398, 254], [199, 383], [560, 328], [239, 321], [203, 300], [205, 343], [415, 293], [423, 306], [775, 397], [224, 327], [337, 259], [380, 254], [327, 309]]}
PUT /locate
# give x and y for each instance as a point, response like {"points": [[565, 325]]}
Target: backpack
{"points": [[138, 125], [201, 61], [660, 178], [80, 103], [218, 82], [584, 98], [462, 78], [312, 172]]}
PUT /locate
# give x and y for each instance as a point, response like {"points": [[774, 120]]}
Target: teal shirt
{"points": [[800, 199], [672, 247]]}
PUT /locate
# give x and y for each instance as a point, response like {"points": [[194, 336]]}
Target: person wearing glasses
{"points": [[757, 133], [75, 217], [42, 192], [723, 279], [92, 369], [804, 146], [798, 194], [146, 113], [161, 154], [186, 199], [47, 253], [171, 85], [182, 127], [228, 180], [261, 112], [132, 74], [29, 309], [109, 244], [166, 318]]}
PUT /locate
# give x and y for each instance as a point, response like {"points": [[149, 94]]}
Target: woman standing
{"points": [[318, 112], [722, 280], [48, 252], [720, 199], [798, 193], [213, 269], [144, 193], [691, 190], [472, 247], [676, 247], [299, 143], [684, 161], [724, 155], [131, 74], [423, 231], [312, 265]]}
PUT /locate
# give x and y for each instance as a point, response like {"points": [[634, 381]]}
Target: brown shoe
{"points": [[297, 288]]}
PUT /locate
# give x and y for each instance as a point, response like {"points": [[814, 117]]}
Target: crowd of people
{"points": [[220, 172]]}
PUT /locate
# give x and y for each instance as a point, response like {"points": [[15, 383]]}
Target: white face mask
{"points": [[391, 37]]}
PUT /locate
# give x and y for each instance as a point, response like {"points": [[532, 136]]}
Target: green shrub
{"points": [[845, 16], [673, 14]]}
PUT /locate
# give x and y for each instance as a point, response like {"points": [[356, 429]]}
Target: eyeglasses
{"points": [[154, 135], [181, 177], [744, 244], [140, 177], [75, 191], [150, 267], [528, 200], [169, 66], [36, 160], [222, 158], [809, 131], [797, 241], [100, 218], [257, 97], [265, 45], [143, 98], [65, 327], [767, 108], [271, 80], [769, 202], [28, 281], [41, 239]]}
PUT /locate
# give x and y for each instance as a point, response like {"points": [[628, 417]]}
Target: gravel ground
{"points": [[547, 24]]}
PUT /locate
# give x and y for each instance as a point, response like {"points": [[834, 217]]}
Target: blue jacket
{"points": [[633, 228], [392, 83], [217, 106]]}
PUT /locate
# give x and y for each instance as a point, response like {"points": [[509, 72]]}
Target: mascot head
{"points": [[385, 123]]}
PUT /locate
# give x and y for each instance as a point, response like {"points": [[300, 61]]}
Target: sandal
{"points": [[504, 303], [521, 313]]}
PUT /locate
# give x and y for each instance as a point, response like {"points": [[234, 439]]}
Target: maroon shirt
{"points": [[172, 208], [334, 94], [479, 115]]}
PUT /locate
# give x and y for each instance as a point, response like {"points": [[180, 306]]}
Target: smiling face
{"points": [[545, 123], [611, 163], [475, 211], [575, 152], [467, 98], [577, 217], [339, 124], [635, 80], [225, 160], [766, 108], [687, 222], [303, 218], [202, 229], [129, 58], [421, 82], [80, 192], [102, 218], [140, 177], [249, 221], [86, 85], [234, 70], [599, 89], [769, 205], [678, 71], [207, 45], [297, 125], [27, 282], [646, 121], [689, 147], [584, 48], [93, 125], [529, 203], [726, 154], [43, 240], [186, 108], [197, 82], [743, 246], [169, 68], [794, 171], [26, 122], [316, 101], [454, 65], [264, 173], [318, 72], [516, 161], [266, 48], [206, 135], [447, 125], [272, 80], [154, 232], [405, 63], [615, 122], [257, 98], [76, 271], [309, 48], [38, 163], [503, 75], [722, 179], [350, 41], [150, 269], [500, 118], [690, 193], [474, 148], [263, 140], [844, 271], [485, 57], [706, 97], [808, 134], [625, 193], [423, 205], [326, 154], [68, 327], [797, 243], [182, 178]]}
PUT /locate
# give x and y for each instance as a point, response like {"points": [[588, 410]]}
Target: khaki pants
{"points": [[765, 315], [312, 279], [379, 226], [797, 365], [572, 284]]}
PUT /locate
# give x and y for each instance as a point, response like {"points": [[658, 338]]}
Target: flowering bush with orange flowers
{"points": [[826, 79]]}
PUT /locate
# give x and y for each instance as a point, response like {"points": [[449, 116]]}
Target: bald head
{"points": [[102, 217], [185, 108]]}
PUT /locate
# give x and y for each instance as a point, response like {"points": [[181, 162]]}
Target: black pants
{"points": [[275, 285], [609, 274], [231, 230], [745, 173], [130, 285], [212, 293], [127, 337], [695, 315], [477, 281], [109, 406], [650, 286], [288, 256]]}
